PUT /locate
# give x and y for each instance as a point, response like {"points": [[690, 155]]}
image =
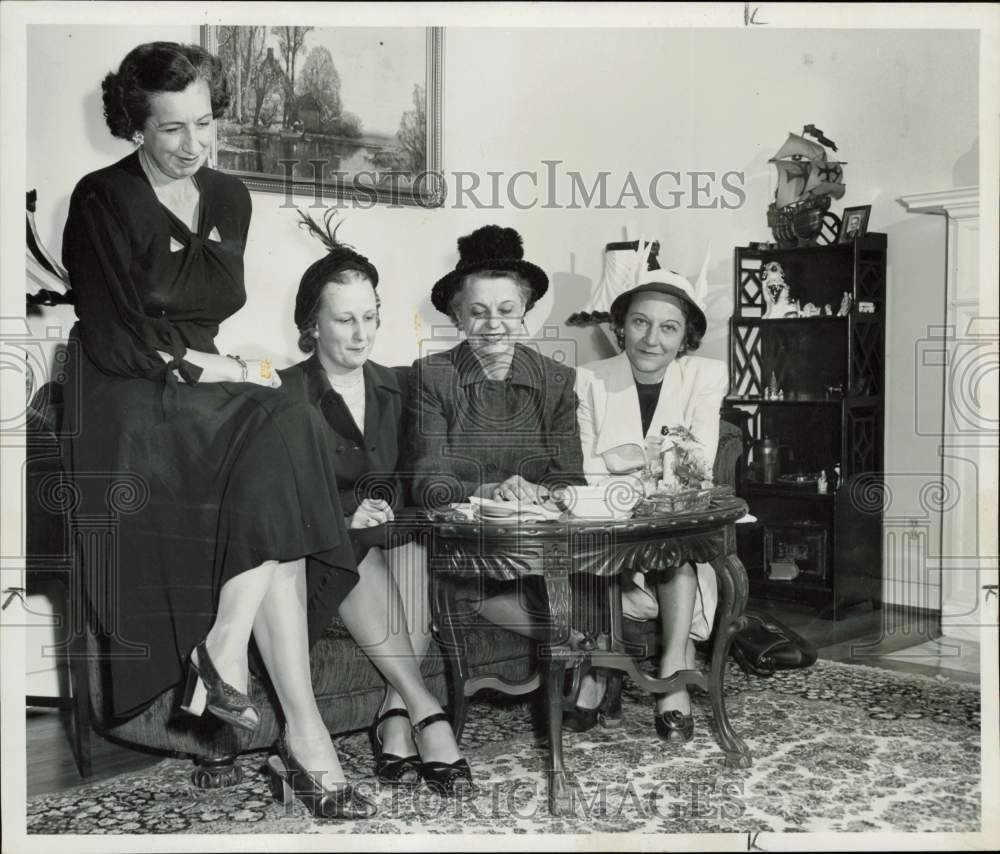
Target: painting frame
{"points": [[426, 190], [849, 214]]}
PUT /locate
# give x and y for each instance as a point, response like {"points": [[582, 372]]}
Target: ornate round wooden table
{"points": [[585, 629]]}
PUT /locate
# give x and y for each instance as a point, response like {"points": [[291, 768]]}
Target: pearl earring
{"points": [[315, 333], [138, 139]]}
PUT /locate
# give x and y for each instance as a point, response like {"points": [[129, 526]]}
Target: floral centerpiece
{"points": [[678, 477]]}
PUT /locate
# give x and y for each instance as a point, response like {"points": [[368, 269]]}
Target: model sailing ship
{"points": [[807, 181]]}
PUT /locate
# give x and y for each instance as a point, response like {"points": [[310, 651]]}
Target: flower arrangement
{"points": [[684, 464], [685, 477]]}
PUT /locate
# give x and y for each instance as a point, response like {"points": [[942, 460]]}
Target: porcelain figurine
{"points": [[777, 297]]}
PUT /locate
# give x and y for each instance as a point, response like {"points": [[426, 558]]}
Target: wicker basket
{"points": [[688, 501]]}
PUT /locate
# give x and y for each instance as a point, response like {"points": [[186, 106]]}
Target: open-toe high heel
{"points": [[453, 779], [674, 726], [390, 769], [218, 697], [290, 780]]}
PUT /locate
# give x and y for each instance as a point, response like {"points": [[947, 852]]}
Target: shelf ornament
{"points": [[776, 293], [807, 181]]}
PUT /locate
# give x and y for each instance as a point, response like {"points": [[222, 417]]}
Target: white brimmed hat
{"points": [[666, 282]]}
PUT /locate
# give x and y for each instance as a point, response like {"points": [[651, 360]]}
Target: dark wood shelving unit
{"points": [[832, 372]]}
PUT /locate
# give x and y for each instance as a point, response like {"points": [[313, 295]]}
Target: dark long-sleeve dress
{"points": [[368, 459], [186, 484]]}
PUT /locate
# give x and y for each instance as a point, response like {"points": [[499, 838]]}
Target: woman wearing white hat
{"points": [[653, 383]]}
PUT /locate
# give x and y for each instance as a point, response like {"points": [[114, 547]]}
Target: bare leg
{"points": [[407, 566], [508, 610], [592, 688], [280, 632], [676, 595], [373, 614], [408, 570]]}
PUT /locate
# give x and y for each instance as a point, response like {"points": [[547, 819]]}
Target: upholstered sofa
{"points": [[347, 686]]}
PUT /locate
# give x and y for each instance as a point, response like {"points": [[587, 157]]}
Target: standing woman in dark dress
{"points": [[224, 487]]}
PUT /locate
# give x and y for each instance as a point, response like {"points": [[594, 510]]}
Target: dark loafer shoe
{"points": [[674, 726]]}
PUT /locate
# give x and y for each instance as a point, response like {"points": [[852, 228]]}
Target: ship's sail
{"points": [[805, 172]]}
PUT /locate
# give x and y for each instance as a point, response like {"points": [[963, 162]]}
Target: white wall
{"points": [[902, 106]]}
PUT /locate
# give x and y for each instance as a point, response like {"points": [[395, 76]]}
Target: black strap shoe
{"points": [[390, 769], [452, 779]]}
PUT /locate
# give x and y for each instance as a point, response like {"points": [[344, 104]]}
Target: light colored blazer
{"points": [[611, 422]]}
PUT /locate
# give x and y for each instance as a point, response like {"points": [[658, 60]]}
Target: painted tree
{"points": [[290, 43], [412, 133], [320, 79], [267, 76]]}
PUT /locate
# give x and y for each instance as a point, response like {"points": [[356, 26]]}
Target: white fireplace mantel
{"points": [[968, 431], [959, 203]]}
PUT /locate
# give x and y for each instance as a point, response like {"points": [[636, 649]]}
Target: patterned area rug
{"points": [[835, 748]]}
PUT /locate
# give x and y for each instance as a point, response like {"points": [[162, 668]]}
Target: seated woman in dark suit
{"points": [[492, 417], [337, 314]]}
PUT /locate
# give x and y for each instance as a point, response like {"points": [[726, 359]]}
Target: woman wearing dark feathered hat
{"points": [[492, 417], [337, 314]]}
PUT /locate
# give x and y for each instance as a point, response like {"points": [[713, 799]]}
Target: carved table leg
{"points": [[450, 635], [732, 601], [557, 588]]}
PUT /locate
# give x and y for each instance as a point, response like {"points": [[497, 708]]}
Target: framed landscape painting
{"points": [[349, 114]]}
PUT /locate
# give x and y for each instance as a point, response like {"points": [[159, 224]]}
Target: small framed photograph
{"points": [[854, 223]]}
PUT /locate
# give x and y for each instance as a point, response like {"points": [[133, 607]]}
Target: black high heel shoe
{"points": [[290, 780], [453, 779], [220, 698], [390, 769]]}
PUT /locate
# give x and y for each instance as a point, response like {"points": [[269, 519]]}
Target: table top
{"points": [[723, 510]]}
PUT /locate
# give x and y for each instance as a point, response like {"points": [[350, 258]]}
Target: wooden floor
{"points": [[887, 638]]}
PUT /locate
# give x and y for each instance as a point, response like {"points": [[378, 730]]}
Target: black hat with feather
{"points": [[491, 247], [340, 258]]}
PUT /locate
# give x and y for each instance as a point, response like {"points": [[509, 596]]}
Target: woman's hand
{"points": [[260, 372], [223, 369], [516, 488], [372, 512]]}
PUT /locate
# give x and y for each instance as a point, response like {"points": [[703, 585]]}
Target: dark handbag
{"points": [[766, 645]]}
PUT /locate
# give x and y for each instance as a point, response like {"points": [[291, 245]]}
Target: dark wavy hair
{"points": [[692, 336], [159, 67], [339, 266]]}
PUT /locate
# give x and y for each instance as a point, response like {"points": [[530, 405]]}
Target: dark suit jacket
{"points": [[366, 464], [465, 430]]}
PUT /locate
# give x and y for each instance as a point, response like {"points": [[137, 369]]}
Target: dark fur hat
{"points": [[491, 247]]}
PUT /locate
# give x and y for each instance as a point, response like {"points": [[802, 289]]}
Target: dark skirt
{"points": [[179, 488]]}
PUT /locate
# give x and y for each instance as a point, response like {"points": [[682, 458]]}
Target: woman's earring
{"points": [[315, 333], [138, 139]]}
